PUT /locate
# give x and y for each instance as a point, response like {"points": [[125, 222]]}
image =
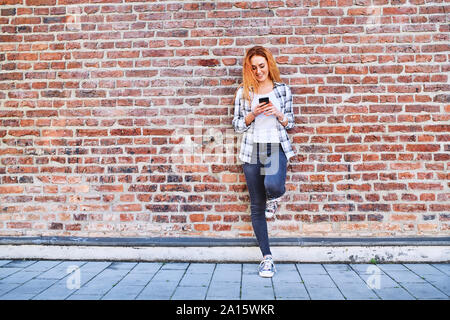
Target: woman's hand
{"points": [[260, 108], [270, 110]]}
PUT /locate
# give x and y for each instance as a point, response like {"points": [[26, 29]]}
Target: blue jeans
{"points": [[266, 179]]}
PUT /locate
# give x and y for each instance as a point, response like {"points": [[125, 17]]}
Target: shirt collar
{"points": [[277, 84]]}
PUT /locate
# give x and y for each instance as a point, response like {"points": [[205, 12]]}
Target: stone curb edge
{"points": [[222, 242]]}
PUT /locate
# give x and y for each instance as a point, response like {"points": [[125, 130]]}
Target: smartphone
{"points": [[265, 100]]}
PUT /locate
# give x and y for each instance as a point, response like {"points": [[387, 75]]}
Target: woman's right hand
{"points": [[260, 108]]}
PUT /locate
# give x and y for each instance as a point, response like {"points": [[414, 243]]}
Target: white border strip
{"points": [[344, 254]]}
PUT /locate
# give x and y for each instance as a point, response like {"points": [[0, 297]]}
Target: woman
{"points": [[265, 147]]}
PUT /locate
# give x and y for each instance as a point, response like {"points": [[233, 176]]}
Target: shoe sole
{"points": [[266, 275]]}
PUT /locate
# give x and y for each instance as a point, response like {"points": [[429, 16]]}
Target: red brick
{"points": [[91, 132], [40, 2], [127, 207], [201, 227], [11, 189], [197, 217], [221, 227], [18, 225]]}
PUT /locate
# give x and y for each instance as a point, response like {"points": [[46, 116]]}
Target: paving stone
{"points": [[147, 267], [95, 289], [250, 268], [19, 263], [113, 273], [444, 267], [20, 277], [3, 262], [308, 268], [123, 292], [137, 279], [168, 275], [285, 267], [424, 291], [201, 268], [337, 267], [222, 267], [18, 296], [157, 290], [58, 291], [85, 277], [42, 266], [442, 282], [324, 293], [290, 290], [443, 278], [195, 280], [390, 293], [287, 277], [257, 293], [35, 286], [85, 297], [423, 269], [345, 277], [392, 267], [379, 281], [122, 265], [224, 290], [253, 279], [444, 287], [190, 293], [222, 298], [61, 270], [318, 281], [6, 287], [366, 269], [405, 276], [91, 266], [357, 292], [175, 266], [6, 272], [102, 282], [227, 276]]}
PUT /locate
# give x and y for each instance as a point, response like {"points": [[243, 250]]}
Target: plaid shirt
{"points": [[242, 109]]}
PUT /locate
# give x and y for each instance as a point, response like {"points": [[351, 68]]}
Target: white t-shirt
{"points": [[266, 126]]}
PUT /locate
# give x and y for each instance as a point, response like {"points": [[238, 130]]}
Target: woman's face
{"points": [[260, 68]]}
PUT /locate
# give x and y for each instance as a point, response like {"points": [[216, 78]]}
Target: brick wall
{"points": [[115, 116]]}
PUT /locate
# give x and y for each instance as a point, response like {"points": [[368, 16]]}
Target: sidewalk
{"points": [[94, 280]]}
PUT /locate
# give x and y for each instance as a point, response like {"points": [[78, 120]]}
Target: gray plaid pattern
{"points": [[242, 109]]}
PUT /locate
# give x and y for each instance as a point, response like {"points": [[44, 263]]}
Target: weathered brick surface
{"points": [[115, 116]]}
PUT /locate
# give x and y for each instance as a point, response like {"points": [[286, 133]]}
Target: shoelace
{"points": [[271, 205], [268, 263]]}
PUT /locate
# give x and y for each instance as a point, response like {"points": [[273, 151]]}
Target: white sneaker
{"points": [[272, 207], [267, 268]]}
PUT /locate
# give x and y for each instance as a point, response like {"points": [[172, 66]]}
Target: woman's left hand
{"points": [[272, 110]]}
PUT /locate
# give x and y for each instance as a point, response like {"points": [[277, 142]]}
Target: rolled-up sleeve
{"points": [[289, 110], [239, 113]]}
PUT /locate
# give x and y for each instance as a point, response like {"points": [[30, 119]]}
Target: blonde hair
{"points": [[249, 81]]}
